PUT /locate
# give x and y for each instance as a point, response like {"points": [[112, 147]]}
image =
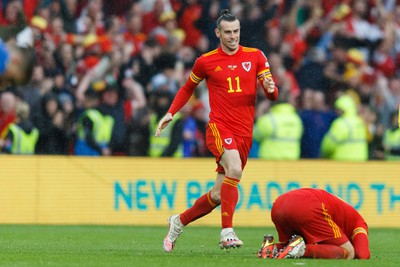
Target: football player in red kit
{"points": [[313, 223], [232, 73]]}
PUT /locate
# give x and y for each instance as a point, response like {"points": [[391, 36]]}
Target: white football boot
{"points": [[174, 231], [229, 239]]}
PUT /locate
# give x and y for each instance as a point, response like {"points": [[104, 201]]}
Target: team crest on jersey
{"points": [[246, 66], [228, 140]]}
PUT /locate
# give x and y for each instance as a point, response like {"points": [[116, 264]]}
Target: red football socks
{"points": [[202, 206], [361, 246], [229, 199], [325, 251]]}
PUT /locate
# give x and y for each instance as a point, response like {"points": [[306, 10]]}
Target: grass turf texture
{"points": [[41, 245]]}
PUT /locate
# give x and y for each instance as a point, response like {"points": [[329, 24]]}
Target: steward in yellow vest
{"points": [[94, 132], [279, 133], [94, 129], [21, 137], [346, 139], [391, 139], [169, 143]]}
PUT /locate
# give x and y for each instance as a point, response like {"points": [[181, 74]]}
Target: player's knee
{"points": [[234, 171]]}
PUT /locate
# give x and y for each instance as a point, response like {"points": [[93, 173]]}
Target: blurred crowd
{"points": [[107, 71]]}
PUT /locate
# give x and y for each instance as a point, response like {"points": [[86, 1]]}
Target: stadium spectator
{"points": [[199, 113], [91, 18], [391, 139], [284, 78], [133, 34], [206, 22], [136, 117], [279, 131], [188, 14], [21, 136], [10, 11], [66, 62], [168, 72], [312, 223], [31, 93], [189, 130], [316, 118], [375, 131], [94, 128], [67, 10], [310, 74], [300, 28], [254, 19], [151, 18], [8, 105], [169, 143], [141, 67], [347, 135], [50, 122], [112, 104], [387, 98], [12, 19]]}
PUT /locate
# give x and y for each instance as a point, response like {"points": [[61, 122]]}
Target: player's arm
{"points": [[181, 98], [183, 95], [265, 77], [360, 242]]}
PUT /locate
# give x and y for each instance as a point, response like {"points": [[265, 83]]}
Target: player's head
{"points": [[19, 69], [228, 31]]}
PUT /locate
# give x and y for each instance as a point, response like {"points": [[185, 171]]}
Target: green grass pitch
{"points": [[43, 245]]}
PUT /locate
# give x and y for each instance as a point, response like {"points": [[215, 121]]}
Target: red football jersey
{"points": [[318, 216], [343, 214], [232, 85]]}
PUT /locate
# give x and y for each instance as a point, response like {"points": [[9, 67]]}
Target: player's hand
{"points": [[268, 84], [163, 123]]}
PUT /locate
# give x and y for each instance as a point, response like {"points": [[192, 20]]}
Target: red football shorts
{"points": [[307, 218], [219, 137]]}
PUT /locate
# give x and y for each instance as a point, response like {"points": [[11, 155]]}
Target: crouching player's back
{"points": [[313, 223]]}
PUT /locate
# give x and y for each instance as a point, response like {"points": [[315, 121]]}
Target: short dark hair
{"points": [[225, 15], [28, 63]]}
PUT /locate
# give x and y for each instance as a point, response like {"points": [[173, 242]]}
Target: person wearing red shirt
{"points": [[134, 34], [190, 13], [313, 223], [8, 113], [231, 72]]}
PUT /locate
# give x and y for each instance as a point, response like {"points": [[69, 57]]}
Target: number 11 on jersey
{"points": [[238, 89]]}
